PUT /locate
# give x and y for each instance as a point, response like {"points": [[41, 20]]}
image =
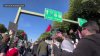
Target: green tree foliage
{"points": [[88, 9], [20, 31], [74, 4], [22, 35], [68, 15], [3, 29], [83, 8], [64, 26], [44, 35]]}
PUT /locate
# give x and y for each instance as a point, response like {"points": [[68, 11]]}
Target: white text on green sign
{"points": [[53, 15]]}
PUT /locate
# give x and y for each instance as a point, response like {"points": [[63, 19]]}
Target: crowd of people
{"points": [[11, 45], [84, 42], [88, 45]]}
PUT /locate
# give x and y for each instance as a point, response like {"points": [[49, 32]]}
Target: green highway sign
{"points": [[53, 15], [81, 21]]}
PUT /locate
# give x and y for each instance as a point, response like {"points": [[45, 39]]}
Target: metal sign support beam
{"points": [[36, 14], [17, 16]]}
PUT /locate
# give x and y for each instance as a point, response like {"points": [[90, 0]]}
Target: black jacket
{"points": [[88, 46], [3, 48]]}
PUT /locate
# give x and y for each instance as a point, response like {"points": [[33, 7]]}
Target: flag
{"points": [[48, 28], [23, 35]]}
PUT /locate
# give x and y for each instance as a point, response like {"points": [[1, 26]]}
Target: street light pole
{"points": [[17, 16], [16, 22]]}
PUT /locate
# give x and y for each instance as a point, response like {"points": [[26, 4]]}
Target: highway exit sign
{"points": [[53, 15]]}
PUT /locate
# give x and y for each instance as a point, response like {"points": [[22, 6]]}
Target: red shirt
{"points": [[12, 52]]}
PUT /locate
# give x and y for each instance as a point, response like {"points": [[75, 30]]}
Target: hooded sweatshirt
{"points": [[88, 46]]}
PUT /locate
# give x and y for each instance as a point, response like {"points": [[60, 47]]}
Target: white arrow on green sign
{"points": [[81, 21], [53, 15]]}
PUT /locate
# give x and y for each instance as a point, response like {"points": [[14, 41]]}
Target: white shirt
{"points": [[67, 45]]}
